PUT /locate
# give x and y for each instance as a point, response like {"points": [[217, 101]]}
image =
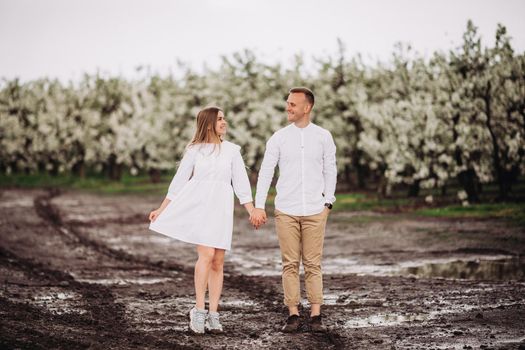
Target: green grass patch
{"points": [[128, 184], [361, 202], [366, 219], [511, 211]]}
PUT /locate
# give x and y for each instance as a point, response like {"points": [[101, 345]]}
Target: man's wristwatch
{"points": [[328, 205]]}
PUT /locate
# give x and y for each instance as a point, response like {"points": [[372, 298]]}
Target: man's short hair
{"points": [[307, 92]]}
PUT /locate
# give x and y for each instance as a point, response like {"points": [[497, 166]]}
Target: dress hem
{"points": [[189, 241]]}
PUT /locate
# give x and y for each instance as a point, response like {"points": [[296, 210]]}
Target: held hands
{"points": [[258, 217]]}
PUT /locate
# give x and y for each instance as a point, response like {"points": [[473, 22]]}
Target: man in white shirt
{"points": [[305, 154]]}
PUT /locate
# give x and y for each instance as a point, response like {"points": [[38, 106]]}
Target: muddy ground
{"points": [[82, 271]]}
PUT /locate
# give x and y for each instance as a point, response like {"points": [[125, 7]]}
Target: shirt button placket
{"points": [[302, 171]]}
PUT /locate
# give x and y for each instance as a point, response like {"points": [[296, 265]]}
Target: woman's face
{"points": [[221, 125]]}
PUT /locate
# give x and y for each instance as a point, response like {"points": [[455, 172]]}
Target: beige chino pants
{"points": [[301, 238]]}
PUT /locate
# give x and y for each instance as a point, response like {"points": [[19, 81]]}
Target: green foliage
{"points": [[361, 202], [514, 212], [98, 184]]}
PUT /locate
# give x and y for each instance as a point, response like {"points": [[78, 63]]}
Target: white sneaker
{"points": [[197, 320], [213, 325]]}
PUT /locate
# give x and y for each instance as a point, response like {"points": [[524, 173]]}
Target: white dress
{"points": [[201, 194]]}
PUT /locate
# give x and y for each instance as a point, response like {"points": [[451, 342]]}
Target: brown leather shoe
{"points": [[316, 324], [292, 324]]}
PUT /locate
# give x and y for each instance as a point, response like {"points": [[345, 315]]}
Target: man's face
{"points": [[296, 106]]}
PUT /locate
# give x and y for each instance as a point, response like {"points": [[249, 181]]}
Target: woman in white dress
{"points": [[198, 209]]}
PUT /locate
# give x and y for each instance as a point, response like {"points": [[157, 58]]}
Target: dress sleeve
{"points": [[183, 173], [240, 181]]}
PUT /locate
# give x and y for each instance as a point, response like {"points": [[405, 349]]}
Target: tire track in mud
{"points": [[57, 278], [104, 318], [51, 214], [254, 286], [36, 338]]}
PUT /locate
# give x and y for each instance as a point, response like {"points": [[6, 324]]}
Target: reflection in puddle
{"points": [[12, 202], [238, 303], [344, 298], [394, 319], [459, 266], [254, 265], [501, 269], [59, 302], [125, 281], [59, 296], [328, 299], [384, 320]]}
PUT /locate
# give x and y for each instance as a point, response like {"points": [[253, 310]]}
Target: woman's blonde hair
{"points": [[206, 121]]}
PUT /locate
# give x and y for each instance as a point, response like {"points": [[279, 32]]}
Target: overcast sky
{"points": [[65, 38]]}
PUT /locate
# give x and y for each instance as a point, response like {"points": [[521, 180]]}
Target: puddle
{"points": [[12, 202], [256, 265], [238, 303], [59, 302], [329, 299], [395, 319], [355, 266], [469, 267], [126, 281], [517, 340], [384, 320], [479, 269], [340, 299], [59, 296]]}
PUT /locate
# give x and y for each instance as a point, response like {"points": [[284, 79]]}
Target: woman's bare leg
{"points": [[215, 279], [202, 272]]}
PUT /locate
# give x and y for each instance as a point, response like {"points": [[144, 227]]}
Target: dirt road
{"points": [[82, 271]]}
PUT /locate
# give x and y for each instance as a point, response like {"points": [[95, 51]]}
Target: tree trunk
{"points": [[154, 175], [114, 170], [360, 170], [384, 189], [495, 146], [55, 167], [79, 169], [413, 190], [468, 180]]}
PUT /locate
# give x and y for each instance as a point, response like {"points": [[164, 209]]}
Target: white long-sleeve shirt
{"points": [[307, 170]]}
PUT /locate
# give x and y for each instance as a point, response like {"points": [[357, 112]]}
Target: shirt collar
{"points": [[306, 127]]}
